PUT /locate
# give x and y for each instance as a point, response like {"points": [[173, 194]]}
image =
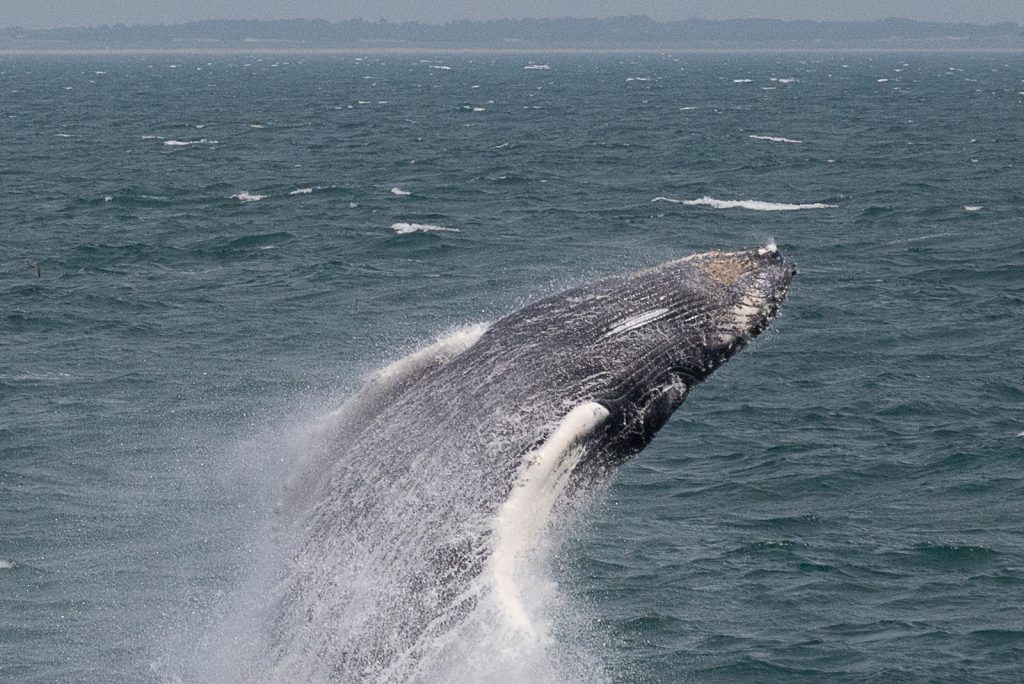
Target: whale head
{"points": [[660, 331]]}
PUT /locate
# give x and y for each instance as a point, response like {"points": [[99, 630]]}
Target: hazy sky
{"points": [[52, 13]]}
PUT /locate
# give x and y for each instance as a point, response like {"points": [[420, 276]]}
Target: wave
{"points": [[406, 228], [754, 205], [537, 66], [301, 191], [973, 207], [400, 192], [774, 138], [246, 196], [6, 565], [186, 143]]}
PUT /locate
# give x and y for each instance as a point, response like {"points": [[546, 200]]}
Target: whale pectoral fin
{"points": [[331, 437], [543, 476]]}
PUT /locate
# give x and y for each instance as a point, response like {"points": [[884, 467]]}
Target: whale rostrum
{"points": [[426, 493]]}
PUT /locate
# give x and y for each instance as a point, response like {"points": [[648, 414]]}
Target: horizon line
{"points": [[327, 52]]}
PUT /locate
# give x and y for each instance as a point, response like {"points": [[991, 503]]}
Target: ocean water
{"points": [[202, 256]]}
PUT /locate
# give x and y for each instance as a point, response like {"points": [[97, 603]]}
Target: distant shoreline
{"points": [[613, 36], [531, 51]]}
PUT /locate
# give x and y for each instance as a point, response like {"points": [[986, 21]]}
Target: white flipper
{"points": [[335, 431], [522, 518]]}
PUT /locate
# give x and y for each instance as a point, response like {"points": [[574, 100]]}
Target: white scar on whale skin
{"points": [[637, 321], [522, 517]]}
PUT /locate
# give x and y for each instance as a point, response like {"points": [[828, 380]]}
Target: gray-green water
{"points": [[222, 259]]}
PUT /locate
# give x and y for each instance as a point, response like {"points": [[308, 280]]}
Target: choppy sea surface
{"points": [[200, 256]]}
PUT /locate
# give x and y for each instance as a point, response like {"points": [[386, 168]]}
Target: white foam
{"points": [[246, 196], [638, 78], [883, 80], [754, 205], [256, 126], [301, 191], [537, 66], [524, 514], [971, 207], [6, 565], [479, 109], [184, 143], [406, 228], [775, 138], [401, 193], [63, 135], [440, 67], [742, 80]]}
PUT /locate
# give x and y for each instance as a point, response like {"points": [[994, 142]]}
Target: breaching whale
{"points": [[431, 485]]}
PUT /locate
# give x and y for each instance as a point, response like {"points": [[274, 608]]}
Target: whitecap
{"points": [[406, 228], [185, 143], [479, 109], [754, 205], [246, 196], [537, 66], [398, 191], [440, 67], [63, 135], [971, 207], [6, 565], [775, 138], [883, 80], [638, 78], [742, 80], [256, 126], [301, 191]]}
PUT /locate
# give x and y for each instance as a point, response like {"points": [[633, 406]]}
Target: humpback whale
{"points": [[430, 486]]}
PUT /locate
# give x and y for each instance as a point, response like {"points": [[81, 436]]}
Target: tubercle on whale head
{"points": [[740, 292], [759, 289]]}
